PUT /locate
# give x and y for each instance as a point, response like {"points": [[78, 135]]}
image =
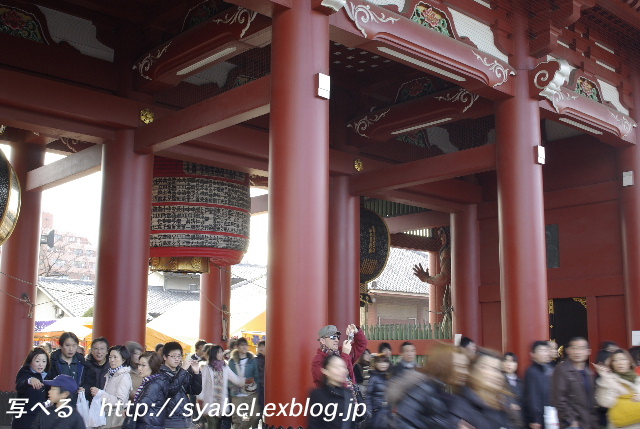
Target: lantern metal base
{"points": [[182, 264]]}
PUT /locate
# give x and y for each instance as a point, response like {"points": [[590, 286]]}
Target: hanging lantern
{"points": [[9, 198], [199, 214], [374, 245]]}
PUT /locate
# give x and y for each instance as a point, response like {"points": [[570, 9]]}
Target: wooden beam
{"points": [[451, 189], [420, 200], [48, 125], [426, 170], [211, 156], [63, 101], [432, 219], [415, 242], [230, 108], [66, 169]]}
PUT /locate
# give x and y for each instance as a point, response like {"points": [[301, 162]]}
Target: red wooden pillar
{"points": [[20, 260], [629, 160], [523, 271], [225, 300], [436, 293], [123, 248], [298, 204], [344, 254], [465, 273], [211, 305]]}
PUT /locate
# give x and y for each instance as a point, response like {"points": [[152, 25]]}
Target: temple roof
{"points": [[398, 274]]}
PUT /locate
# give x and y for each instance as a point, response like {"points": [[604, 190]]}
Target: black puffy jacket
{"points": [[469, 407], [376, 401], [94, 375], [181, 384], [33, 396], [154, 395], [419, 401]]}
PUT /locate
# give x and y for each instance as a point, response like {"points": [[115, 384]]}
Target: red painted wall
{"points": [[581, 196]]}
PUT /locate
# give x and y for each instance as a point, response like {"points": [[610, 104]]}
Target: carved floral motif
{"points": [[145, 64], [587, 88], [20, 24], [241, 16], [361, 126], [462, 96], [430, 17], [363, 14], [500, 71]]}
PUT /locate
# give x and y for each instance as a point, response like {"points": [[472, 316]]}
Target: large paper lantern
{"points": [[374, 245], [9, 198], [199, 214]]}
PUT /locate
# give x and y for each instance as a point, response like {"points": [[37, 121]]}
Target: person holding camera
{"points": [[184, 379]]}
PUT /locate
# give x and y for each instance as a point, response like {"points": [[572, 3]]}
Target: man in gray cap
{"points": [[350, 350]]}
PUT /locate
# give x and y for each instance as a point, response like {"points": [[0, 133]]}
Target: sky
{"points": [[76, 208]]}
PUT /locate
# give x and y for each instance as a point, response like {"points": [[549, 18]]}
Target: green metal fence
{"points": [[427, 331]]}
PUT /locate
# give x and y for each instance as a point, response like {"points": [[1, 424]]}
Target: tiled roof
{"points": [[160, 300], [76, 296], [398, 273], [244, 274]]}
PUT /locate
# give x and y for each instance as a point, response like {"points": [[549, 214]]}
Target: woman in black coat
{"points": [[30, 386], [331, 406], [516, 387], [150, 397], [376, 402], [483, 403], [421, 398]]}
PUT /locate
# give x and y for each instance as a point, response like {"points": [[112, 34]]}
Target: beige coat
{"points": [[206, 395], [610, 387], [115, 393]]}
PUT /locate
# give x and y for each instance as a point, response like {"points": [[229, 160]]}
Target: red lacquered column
{"points": [[344, 254], [523, 271], [123, 248], [211, 305], [20, 260], [629, 160], [298, 204], [465, 273]]}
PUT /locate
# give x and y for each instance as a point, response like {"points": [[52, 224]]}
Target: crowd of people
{"points": [[131, 388], [467, 387], [457, 387]]}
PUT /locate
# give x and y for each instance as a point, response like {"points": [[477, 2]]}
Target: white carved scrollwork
{"points": [[462, 96], [241, 16], [500, 71], [551, 86], [334, 4], [398, 3], [624, 122], [361, 126], [362, 14], [145, 64]]}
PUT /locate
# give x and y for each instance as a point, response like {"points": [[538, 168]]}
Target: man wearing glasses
{"points": [[350, 350], [184, 379]]}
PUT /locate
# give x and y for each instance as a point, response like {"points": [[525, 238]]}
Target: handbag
{"points": [[129, 423], [360, 402], [625, 412]]}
